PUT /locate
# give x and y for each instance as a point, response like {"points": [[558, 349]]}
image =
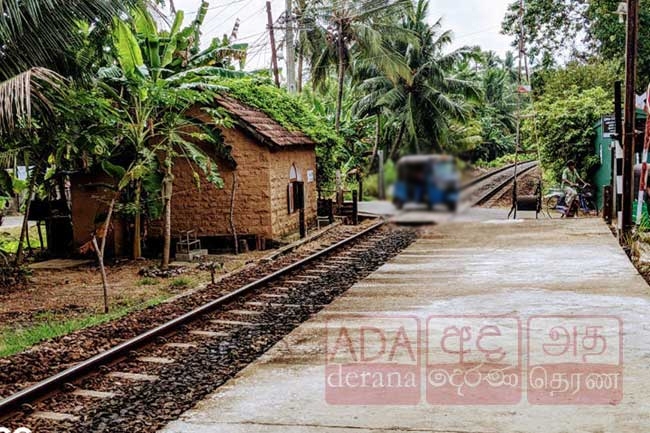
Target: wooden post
{"points": [[274, 54], [301, 209], [617, 161], [303, 225], [355, 208], [629, 136], [360, 181], [339, 189], [607, 204]]}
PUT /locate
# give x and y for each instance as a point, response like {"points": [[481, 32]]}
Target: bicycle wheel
{"points": [[589, 208], [552, 208]]}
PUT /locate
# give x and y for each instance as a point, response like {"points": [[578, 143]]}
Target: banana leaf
{"points": [[129, 54]]}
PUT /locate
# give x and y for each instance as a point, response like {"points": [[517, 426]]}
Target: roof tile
{"points": [[262, 124]]}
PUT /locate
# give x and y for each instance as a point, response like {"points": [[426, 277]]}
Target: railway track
{"points": [[149, 379], [478, 191], [127, 386]]}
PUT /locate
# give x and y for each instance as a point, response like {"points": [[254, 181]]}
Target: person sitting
{"points": [[570, 179]]}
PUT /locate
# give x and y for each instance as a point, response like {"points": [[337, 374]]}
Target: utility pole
{"points": [[629, 132], [289, 39], [522, 46], [617, 154], [274, 54]]}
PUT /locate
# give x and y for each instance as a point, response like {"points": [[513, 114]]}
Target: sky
{"points": [[474, 22]]}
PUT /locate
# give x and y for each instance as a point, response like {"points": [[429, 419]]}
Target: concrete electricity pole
{"points": [[629, 129], [274, 54], [289, 43]]}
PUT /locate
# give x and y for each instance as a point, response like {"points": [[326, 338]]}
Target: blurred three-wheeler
{"points": [[427, 179]]}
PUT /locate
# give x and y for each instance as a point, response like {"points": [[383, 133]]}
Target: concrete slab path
{"points": [[521, 269]]}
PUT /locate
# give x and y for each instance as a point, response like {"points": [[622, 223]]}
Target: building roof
{"points": [[260, 125]]}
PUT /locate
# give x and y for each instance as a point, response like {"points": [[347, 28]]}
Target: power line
{"points": [[225, 21], [254, 35], [478, 32], [214, 8]]}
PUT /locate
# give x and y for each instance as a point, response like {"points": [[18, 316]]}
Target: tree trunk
{"points": [[100, 259], [375, 146], [99, 250], [167, 242], [232, 211], [341, 78], [137, 229], [25, 228], [394, 153], [107, 223]]}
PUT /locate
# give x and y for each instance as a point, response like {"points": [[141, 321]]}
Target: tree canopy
{"points": [[580, 30]]}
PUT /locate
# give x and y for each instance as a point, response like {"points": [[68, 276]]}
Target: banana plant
{"points": [[155, 97]]}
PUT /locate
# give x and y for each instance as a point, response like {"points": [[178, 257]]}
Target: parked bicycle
{"points": [[583, 206]]}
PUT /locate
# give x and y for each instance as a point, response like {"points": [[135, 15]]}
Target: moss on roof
{"points": [[288, 110]]}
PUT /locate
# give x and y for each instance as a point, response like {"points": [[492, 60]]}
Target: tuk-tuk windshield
{"points": [[444, 169], [413, 172]]}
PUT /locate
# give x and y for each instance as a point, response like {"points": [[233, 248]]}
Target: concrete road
{"points": [[419, 214], [469, 295], [10, 222]]}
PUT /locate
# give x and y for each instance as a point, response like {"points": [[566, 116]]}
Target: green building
{"points": [[605, 128]]}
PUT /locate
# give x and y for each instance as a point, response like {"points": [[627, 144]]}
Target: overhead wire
{"points": [[225, 21], [213, 8]]}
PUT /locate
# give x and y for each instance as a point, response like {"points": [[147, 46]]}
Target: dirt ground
{"points": [[70, 293], [526, 185], [63, 298], [473, 172]]}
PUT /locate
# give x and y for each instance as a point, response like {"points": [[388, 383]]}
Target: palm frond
{"points": [[45, 33], [8, 157], [26, 92]]}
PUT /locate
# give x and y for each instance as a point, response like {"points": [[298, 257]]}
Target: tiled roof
{"points": [[262, 126]]}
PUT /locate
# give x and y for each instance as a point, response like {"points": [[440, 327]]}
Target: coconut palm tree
{"points": [[496, 112], [39, 43], [345, 30], [42, 44], [420, 110]]}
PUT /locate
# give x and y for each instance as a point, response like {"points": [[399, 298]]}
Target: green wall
{"points": [[604, 174], [601, 149]]}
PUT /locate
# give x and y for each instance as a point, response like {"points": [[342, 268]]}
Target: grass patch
{"points": [[180, 283], [16, 340], [9, 239], [147, 282]]}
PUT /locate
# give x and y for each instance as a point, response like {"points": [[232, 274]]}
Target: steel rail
{"points": [[492, 192], [36, 391], [486, 176]]}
